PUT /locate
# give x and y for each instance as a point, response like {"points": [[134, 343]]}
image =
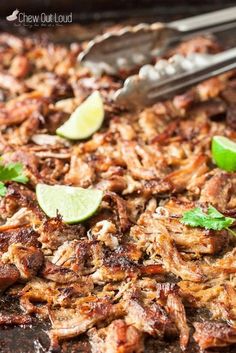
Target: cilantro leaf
{"points": [[212, 219], [3, 189], [213, 212], [13, 172]]}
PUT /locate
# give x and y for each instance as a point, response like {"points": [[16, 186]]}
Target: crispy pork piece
{"points": [[158, 187], [11, 83], [9, 274], [115, 267], [155, 239], [89, 255], [39, 291], [189, 173], [58, 274], [151, 319], [168, 295], [152, 124], [49, 84], [71, 322], [20, 66], [177, 312], [143, 162], [28, 260], [114, 184], [18, 196], [135, 206], [20, 110], [124, 128], [26, 130], [197, 241], [106, 232], [188, 239], [212, 334], [114, 180], [220, 191], [222, 267], [121, 209], [118, 337], [217, 296], [24, 235], [81, 173], [130, 250], [54, 167], [53, 233], [210, 88]]}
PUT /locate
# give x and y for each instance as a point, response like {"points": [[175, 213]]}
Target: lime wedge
{"points": [[74, 204], [85, 120], [224, 153]]}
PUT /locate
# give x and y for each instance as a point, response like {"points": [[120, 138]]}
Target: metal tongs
{"points": [[170, 77], [132, 47]]}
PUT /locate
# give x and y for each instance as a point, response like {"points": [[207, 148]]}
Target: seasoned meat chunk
{"points": [[214, 334], [9, 274], [220, 191], [54, 233], [28, 260], [118, 337]]}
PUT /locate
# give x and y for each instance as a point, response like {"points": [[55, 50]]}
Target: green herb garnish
{"points": [[3, 189], [212, 219], [11, 172]]}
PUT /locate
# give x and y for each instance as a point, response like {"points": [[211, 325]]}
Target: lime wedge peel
{"points": [[85, 120], [74, 204], [224, 153]]}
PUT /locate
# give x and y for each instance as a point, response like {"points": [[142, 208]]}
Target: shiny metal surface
{"points": [[134, 46], [170, 77]]}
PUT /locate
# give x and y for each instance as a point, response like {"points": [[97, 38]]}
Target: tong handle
{"points": [[205, 21]]}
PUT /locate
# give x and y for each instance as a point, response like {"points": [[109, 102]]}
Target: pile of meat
{"points": [[133, 272]]}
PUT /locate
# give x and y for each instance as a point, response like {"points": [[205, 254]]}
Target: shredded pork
{"points": [[132, 272]]}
